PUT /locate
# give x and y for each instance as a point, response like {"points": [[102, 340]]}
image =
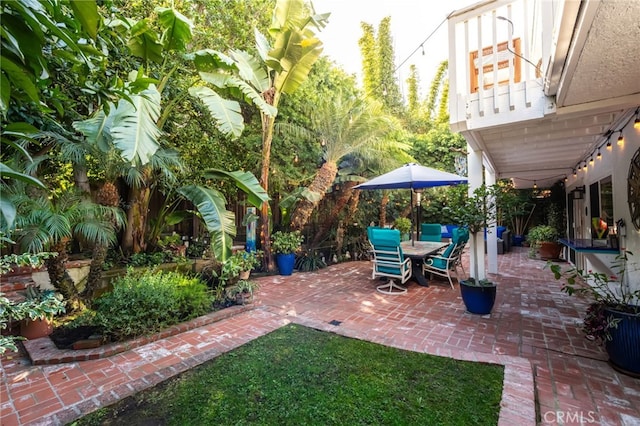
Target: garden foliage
{"points": [[147, 302]]}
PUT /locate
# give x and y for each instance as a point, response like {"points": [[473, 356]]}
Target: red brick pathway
{"points": [[553, 375]]}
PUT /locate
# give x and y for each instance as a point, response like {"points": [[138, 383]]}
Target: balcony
{"points": [[537, 86], [504, 82]]}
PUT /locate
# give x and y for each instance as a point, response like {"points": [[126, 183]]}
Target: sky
{"points": [[412, 21]]}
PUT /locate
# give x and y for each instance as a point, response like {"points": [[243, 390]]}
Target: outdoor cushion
{"points": [[460, 236], [499, 231], [383, 236], [447, 231], [386, 240], [431, 232], [388, 259]]}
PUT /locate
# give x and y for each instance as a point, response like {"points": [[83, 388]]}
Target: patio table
{"points": [[417, 251]]}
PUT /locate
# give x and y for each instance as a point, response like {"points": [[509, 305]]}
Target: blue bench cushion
{"points": [[499, 231], [447, 231]]}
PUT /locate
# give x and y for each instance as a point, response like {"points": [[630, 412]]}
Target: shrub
{"points": [[311, 261], [286, 242], [403, 225], [147, 302], [148, 259]]}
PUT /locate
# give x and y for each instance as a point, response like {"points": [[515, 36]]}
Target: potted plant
{"points": [[475, 213], [613, 316], [514, 209], [242, 291], [244, 261], [403, 225], [285, 245], [35, 312], [544, 240]]}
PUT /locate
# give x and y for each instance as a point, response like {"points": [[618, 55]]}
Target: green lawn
{"points": [[301, 376]]}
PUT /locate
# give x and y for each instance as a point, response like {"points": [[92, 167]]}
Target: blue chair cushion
{"points": [[460, 236], [430, 232], [438, 263], [383, 236]]}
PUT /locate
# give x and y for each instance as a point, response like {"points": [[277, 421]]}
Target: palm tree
{"points": [[283, 66], [49, 223], [344, 127]]}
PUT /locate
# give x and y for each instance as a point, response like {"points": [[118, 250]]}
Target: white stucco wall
{"points": [[614, 163]]}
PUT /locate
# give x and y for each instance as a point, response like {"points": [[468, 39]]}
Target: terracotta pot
{"points": [[244, 298], [244, 275], [549, 250], [35, 329]]}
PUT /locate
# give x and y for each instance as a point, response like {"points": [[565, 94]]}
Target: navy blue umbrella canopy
{"points": [[415, 177], [412, 176]]}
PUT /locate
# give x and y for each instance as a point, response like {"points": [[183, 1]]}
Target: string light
{"points": [[566, 178], [535, 185], [606, 142]]}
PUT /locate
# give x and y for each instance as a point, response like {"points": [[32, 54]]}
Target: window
{"points": [[601, 203]]}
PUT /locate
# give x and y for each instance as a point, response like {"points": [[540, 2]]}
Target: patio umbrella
{"points": [[415, 177]]}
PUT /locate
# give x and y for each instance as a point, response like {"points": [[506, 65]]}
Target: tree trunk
{"points": [[383, 208], [138, 202], [323, 180], [265, 234], [95, 273], [81, 179], [342, 199], [353, 206], [59, 277], [108, 195]]}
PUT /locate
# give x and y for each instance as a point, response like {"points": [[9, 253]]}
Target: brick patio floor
{"points": [[553, 375]]}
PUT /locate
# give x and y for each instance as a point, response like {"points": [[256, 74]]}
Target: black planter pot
{"points": [[624, 346], [478, 299]]}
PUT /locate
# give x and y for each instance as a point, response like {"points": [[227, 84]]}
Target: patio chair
{"points": [[447, 262], [388, 260], [431, 232]]}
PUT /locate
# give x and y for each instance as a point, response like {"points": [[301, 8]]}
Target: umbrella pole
{"points": [[419, 214], [413, 234]]}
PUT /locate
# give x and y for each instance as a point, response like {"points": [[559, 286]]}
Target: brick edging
{"points": [[43, 351]]}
